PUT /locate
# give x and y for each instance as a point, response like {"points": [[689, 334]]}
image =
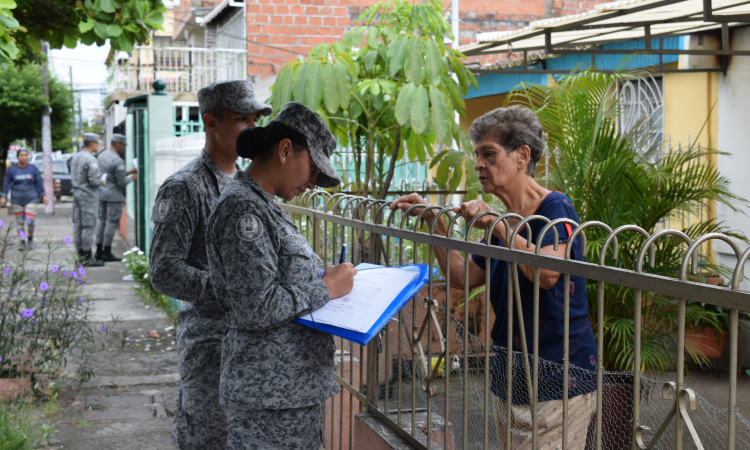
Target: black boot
{"points": [[89, 260], [108, 256], [99, 254]]}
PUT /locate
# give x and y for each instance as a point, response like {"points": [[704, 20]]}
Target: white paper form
{"points": [[374, 290]]}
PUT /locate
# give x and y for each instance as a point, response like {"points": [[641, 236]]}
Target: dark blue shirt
{"points": [[551, 312], [24, 184]]}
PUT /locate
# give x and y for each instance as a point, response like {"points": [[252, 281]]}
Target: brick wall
{"points": [[279, 31]]}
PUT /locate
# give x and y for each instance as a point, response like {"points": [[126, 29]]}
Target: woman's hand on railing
{"points": [[339, 279], [407, 201]]}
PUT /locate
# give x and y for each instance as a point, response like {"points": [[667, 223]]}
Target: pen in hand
{"points": [[343, 254]]}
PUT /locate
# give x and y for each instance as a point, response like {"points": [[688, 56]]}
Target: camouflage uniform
{"points": [[275, 373], [86, 179], [112, 196], [179, 268]]}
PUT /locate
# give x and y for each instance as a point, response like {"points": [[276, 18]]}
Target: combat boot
{"points": [[98, 255], [108, 256], [89, 261]]}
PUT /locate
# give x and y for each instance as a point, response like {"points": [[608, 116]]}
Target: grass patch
{"points": [[83, 423], [16, 431]]}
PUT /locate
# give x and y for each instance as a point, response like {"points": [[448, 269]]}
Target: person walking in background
{"points": [[179, 262], [25, 185], [112, 196], [86, 178]]}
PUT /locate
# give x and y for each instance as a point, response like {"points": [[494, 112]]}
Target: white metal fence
{"points": [[184, 69], [173, 153]]}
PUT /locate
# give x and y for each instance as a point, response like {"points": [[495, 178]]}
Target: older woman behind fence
{"points": [[508, 144]]}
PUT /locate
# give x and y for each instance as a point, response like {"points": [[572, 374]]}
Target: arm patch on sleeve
{"points": [[163, 210], [249, 227]]}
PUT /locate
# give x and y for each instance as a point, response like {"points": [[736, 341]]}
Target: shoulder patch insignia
{"points": [[249, 227], [163, 210]]}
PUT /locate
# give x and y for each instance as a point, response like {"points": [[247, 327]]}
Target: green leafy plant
{"points": [[136, 262], [619, 178], [386, 90], [24, 24]]}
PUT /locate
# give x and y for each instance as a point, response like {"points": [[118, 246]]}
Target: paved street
{"points": [[130, 402]]}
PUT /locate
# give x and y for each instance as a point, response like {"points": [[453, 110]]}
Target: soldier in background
{"points": [[86, 178], [112, 196], [179, 260]]}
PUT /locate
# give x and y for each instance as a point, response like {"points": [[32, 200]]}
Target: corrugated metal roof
{"points": [[608, 23]]}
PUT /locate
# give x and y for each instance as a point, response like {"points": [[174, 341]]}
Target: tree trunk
{"points": [[392, 166], [357, 158], [369, 165]]}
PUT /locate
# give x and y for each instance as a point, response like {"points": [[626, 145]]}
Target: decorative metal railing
{"points": [[430, 379], [184, 69]]}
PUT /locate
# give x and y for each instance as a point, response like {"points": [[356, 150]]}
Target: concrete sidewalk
{"points": [[130, 402]]}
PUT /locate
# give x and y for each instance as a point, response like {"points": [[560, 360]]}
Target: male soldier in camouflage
{"points": [[179, 264], [112, 196], [275, 373], [86, 179]]}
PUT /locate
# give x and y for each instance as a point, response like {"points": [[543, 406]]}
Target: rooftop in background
{"points": [[650, 21]]}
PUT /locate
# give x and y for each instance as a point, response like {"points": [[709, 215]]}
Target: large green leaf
{"points": [[107, 6], [370, 59], [8, 4], [414, 61], [396, 54], [8, 21], [114, 30], [345, 84], [434, 63], [403, 104], [441, 177], [314, 86], [331, 87], [420, 109], [439, 113], [300, 76], [283, 87], [100, 29], [86, 26], [125, 43]]}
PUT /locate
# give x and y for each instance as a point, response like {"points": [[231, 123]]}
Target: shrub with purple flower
{"points": [[137, 264], [32, 312]]}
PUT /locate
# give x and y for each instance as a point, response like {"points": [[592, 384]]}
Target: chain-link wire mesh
{"points": [[467, 400]]}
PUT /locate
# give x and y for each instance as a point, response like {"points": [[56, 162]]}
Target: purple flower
{"points": [[8, 271], [55, 268], [80, 282], [27, 313], [67, 240], [1, 224], [28, 220], [12, 293], [44, 286], [1, 358], [101, 330], [81, 270], [74, 275], [93, 303], [22, 234], [32, 272], [33, 322], [80, 300]]}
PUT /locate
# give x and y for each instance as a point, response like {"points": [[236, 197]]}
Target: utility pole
{"points": [[49, 186], [73, 93]]}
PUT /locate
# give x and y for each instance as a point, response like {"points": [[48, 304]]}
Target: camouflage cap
{"points": [[320, 141], [235, 95], [117, 137], [90, 137]]}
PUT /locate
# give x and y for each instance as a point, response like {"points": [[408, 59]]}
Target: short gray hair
{"points": [[512, 127]]}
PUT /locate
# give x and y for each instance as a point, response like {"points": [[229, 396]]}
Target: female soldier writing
{"points": [[275, 373]]}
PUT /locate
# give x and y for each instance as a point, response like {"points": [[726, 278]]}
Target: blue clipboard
{"points": [[399, 302]]}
